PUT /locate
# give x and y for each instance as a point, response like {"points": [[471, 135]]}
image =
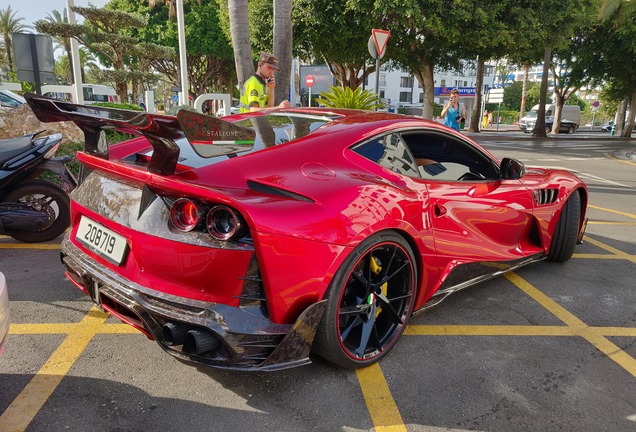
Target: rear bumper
{"points": [[242, 338]]}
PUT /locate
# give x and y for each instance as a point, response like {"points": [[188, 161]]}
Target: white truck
{"points": [[570, 118]]}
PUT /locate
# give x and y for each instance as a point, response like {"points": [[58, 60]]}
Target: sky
{"points": [[33, 10]]}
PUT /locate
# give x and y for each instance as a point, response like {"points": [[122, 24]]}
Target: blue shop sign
{"points": [[463, 91]]}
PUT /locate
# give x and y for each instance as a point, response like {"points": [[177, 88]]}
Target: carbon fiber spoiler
{"points": [[208, 136]]}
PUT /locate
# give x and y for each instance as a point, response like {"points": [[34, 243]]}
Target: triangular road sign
{"points": [[380, 37]]}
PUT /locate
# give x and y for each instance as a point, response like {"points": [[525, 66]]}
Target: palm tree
{"points": [[240, 32], [10, 24], [55, 17], [283, 45], [626, 10], [620, 13], [172, 5]]}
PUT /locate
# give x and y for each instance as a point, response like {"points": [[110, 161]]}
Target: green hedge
{"points": [[507, 117], [126, 106]]}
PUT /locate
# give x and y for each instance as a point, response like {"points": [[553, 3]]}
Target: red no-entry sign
{"points": [[309, 81]]}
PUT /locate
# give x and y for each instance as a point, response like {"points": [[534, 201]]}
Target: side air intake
{"points": [[545, 196]]}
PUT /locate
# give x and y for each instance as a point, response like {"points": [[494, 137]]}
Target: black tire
{"points": [[52, 199], [567, 230], [571, 129], [369, 304], [548, 129]]}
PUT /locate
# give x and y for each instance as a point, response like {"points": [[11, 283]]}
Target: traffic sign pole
{"points": [[594, 110], [310, 83], [377, 48]]}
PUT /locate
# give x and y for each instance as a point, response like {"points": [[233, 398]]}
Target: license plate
{"points": [[102, 240]]}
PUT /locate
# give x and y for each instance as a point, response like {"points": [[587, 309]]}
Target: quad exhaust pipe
{"points": [[200, 342], [174, 334], [194, 341]]}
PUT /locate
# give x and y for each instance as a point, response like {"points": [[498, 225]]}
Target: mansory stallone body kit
{"points": [[251, 241]]}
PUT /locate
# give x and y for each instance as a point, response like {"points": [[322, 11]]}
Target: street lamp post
{"points": [[78, 92], [183, 63]]}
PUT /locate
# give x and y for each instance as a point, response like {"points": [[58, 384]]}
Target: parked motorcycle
{"points": [[32, 209]]}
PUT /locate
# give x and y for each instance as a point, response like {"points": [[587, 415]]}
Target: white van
{"points": [[569, 113], [92, 93]]}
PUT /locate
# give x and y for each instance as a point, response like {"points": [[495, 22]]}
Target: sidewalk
{"points": [[510, 132]]}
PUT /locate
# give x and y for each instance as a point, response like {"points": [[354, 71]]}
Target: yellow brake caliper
{"points": [[376, 269]]}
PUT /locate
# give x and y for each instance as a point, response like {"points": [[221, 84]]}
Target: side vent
{"points": [[545, 196], [271, 190]]}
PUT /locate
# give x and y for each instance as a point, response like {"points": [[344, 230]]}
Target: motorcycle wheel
{"points": [[51, 199]]}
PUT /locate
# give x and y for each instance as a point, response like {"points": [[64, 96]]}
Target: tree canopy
{"points": [[104, 33]]}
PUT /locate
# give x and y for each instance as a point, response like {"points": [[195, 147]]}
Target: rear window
{"points": [[279, 128], [271, 130]]}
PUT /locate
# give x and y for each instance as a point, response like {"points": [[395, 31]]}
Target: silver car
{"points": [[9, 100]]}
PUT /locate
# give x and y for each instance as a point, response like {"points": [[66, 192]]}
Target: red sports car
{"points": [[252, 241]]}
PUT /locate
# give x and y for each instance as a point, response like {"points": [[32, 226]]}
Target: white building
{"points": [[400, 89]]}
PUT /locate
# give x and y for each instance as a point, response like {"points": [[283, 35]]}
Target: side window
{"points": [[391, 152], [442, 157]]}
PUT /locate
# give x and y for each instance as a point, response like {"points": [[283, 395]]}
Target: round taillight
{"points": [[224, 223], [185, 214]]}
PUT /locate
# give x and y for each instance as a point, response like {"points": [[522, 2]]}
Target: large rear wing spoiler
{"points": [[208, 136]]}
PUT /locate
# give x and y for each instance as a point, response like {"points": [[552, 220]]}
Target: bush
{"points": [[66, 149], [71, 149], [338, 97], [507, 116], [176, 108], [126, 106]]}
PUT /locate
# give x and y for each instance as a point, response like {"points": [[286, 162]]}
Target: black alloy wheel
{"points": [[371, 299], [45, 197]]}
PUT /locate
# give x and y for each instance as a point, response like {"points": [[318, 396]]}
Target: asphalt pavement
{"points": [[550, 347]]}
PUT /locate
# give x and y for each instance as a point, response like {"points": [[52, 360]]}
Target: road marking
{"points": [[611, 223], [29, 402], [382, 407], [629, 215], [617, 253], [622, 161], [25, 329], [43, 246], [599, 341], [602, 180], [597, 256], [510, 330], [380, 403]]}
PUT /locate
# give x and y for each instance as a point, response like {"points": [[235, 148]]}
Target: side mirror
{"points": [[512, 169]]}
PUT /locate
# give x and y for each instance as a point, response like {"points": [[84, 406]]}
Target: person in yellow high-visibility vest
{"points": [[258, 90]]}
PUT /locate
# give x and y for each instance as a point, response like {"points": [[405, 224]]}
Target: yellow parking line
{"points": [[382, 408], [24, 329], [611, 223], [599, 341], [622, 160], [598, 256], [488, 330], [612, 250], [629, 215], [43, 246], [524, 330], [24, 408]]}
